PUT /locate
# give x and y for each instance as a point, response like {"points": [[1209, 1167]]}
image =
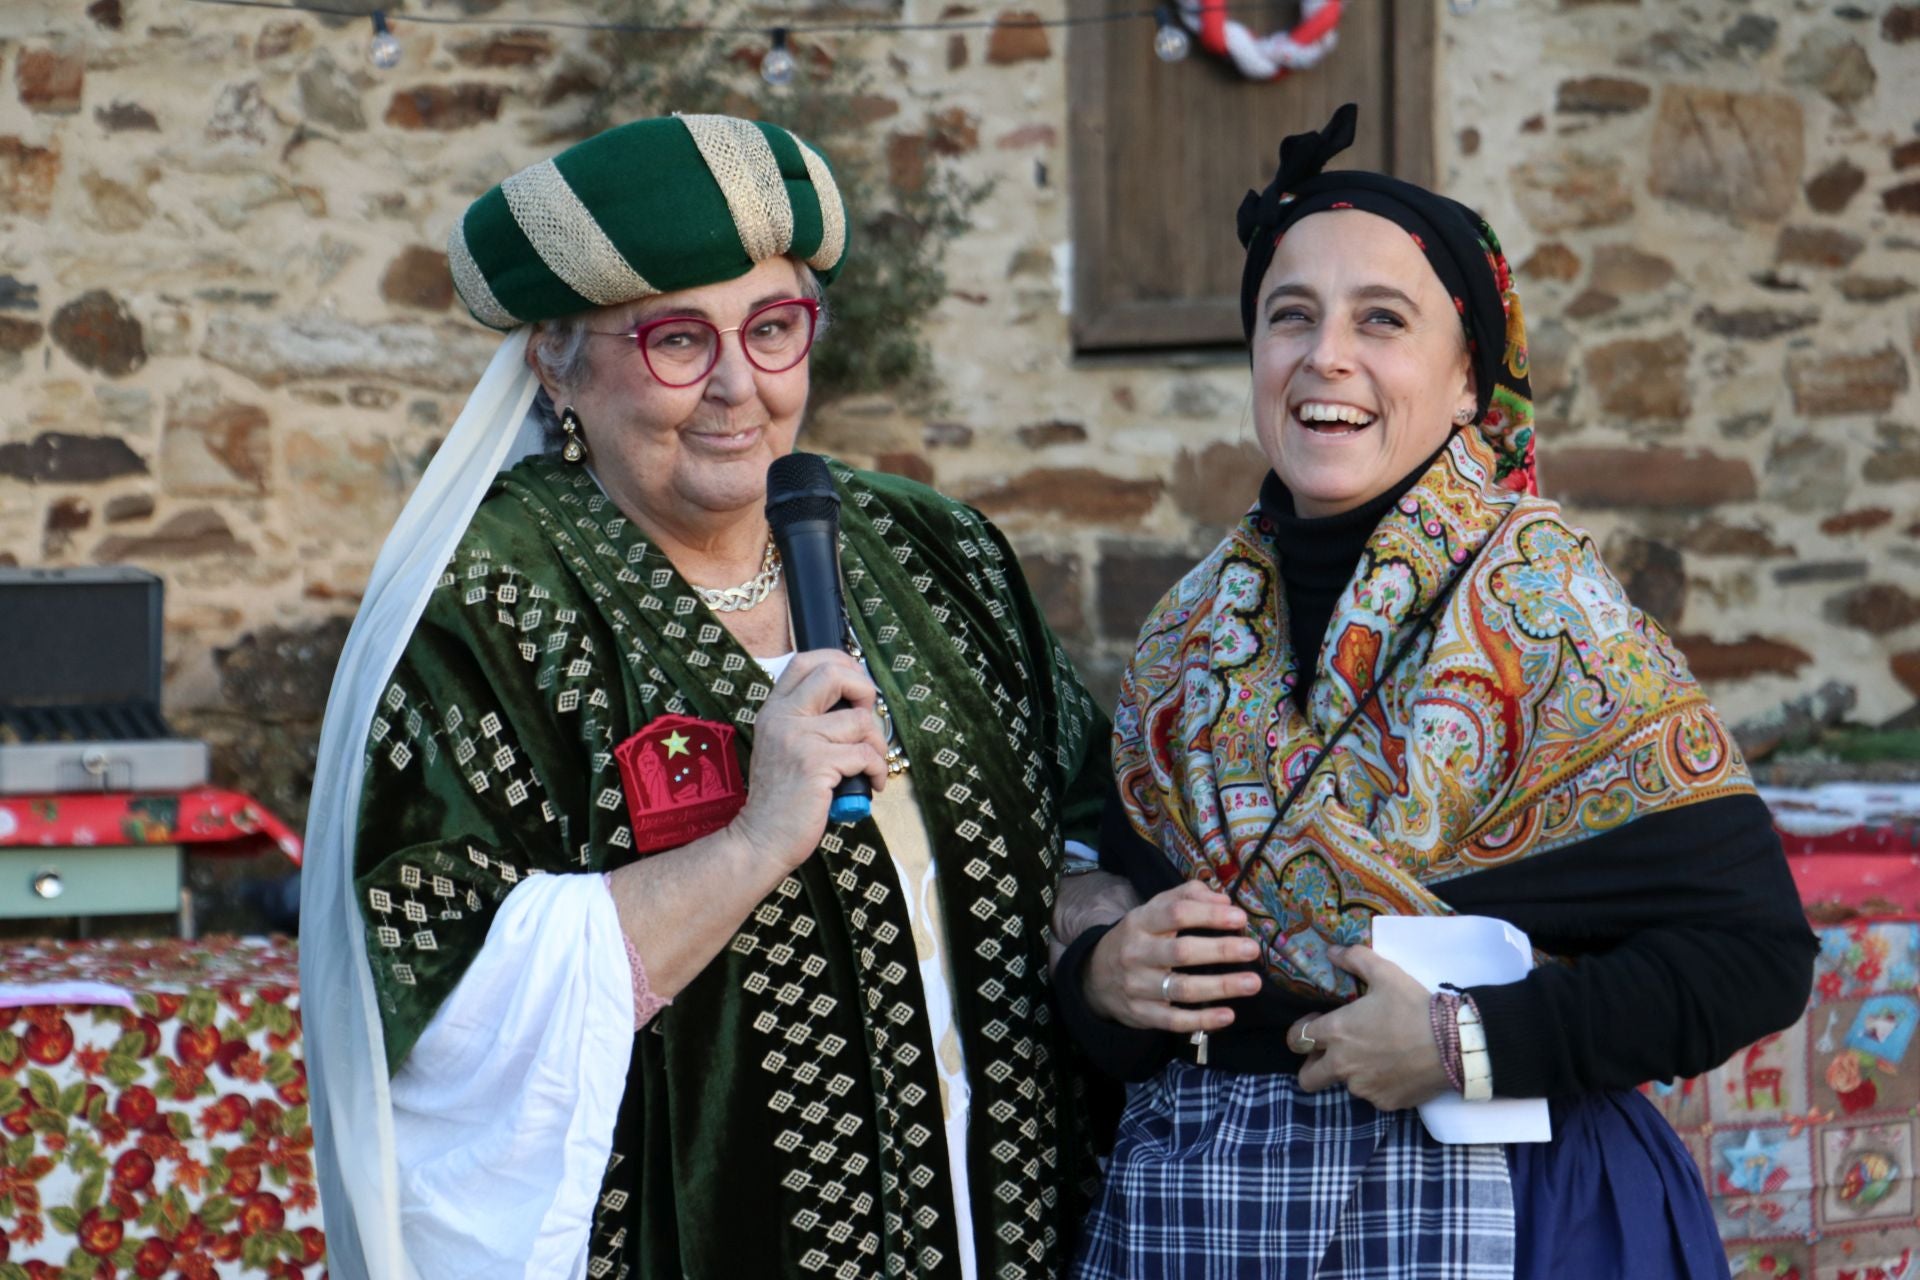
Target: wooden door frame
{"points": [[1099, 325]]}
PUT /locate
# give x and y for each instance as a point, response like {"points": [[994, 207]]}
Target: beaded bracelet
{"points": [[1443, 1018]]}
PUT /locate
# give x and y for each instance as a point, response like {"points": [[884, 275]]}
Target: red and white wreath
{"points": [[1263, 57]]}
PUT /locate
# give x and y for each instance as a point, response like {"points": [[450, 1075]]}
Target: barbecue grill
{"points": [[80, 675]]}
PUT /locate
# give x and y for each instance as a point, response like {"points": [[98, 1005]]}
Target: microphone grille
{"points": [[799, 487]]}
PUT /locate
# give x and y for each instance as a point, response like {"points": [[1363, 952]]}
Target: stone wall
{"points": [[228, 341]]}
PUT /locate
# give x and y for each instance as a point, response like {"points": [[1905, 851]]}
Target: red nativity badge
{"points": [[682, 780]]}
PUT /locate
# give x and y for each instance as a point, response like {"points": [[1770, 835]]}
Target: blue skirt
{"points": [[1217, 1175]]}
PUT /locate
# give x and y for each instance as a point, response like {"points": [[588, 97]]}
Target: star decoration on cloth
{"points": [[676, 744], [1749, 1164]]}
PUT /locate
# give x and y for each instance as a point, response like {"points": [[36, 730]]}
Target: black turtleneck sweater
{"points": [[1684, 927]]}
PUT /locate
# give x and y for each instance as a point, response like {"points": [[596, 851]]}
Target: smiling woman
{"points": [[1405, 685], [587, 976]]}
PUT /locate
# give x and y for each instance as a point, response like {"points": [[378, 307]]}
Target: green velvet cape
{"points": [[782, 1116]]}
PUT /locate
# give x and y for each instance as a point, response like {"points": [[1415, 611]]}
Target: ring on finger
{"points": [[1166, 987], [1303, 1044]]}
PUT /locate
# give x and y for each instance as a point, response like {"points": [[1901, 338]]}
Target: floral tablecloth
{"points": [[166, 1139], [200, 815]]}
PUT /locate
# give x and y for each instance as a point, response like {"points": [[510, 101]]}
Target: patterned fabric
{"points": [[169, 1138], [648, 207], [1457, 243], [1207, 1180], [792, 1075], [1807, 1137], [1541, 708], [203, 815]]}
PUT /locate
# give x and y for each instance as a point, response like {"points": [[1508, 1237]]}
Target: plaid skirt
{"points": [[1217, 1175]]}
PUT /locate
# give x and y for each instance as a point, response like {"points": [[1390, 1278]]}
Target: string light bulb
{"points": [[778, 66], [1170, 40], [384, 49]]}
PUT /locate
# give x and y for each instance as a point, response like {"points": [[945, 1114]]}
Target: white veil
{"points": [[352, 1111]]}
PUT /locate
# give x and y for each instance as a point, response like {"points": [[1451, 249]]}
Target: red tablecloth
{"points": [[166, 1139], [204, 815]]}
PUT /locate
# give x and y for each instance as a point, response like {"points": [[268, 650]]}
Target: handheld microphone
{"points": [[803, 511]]}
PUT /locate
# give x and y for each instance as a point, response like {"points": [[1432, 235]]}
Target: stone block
{"points": [[1877, 608], [128, 507], [1654, 575], [913, 466], [1900, 23], [113, 205], [1833, 64], [1873, 289], [282, 672], [1642, 378], [50, 80], [1551, 261], [1829, 190], [345, 490], [193, 533], [314, 344], [1742, 659], [212, 446], [330, 96], [1807, 473], [1829, 384], [126, 117], [106, 14], [18, 335], [1216, 485], [1130, 581], [1750, 36], [1042, 435], [1851, 522], [1905, 666], [418, 277], [1071, 493], [516, 48], [1712, 537], [1017, 37], [1665, 478], [953, 132], [1904, 198], [445, 107], [1601, 96], [907, 161], [1738, 155], [1816, 247], [1754, 323], [1058, 582], [1791, 575], [27, 175], [1572, 190], [1622, 269], [1028, 135], [56, 457], [98, 333]]}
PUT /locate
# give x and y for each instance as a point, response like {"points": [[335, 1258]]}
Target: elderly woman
{"points": [[591, 987], [1405, 685]]}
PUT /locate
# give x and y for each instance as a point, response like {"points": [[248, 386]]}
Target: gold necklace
{"points": [[749, 593]]}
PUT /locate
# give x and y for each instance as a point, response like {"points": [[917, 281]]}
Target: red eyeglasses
{"points": [[681, 350]]}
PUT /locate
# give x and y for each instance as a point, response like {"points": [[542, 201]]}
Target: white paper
{"points": [[15, 995], [1466, 951]]}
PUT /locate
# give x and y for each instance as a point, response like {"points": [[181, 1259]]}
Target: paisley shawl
{"points": [[1539, 709]]}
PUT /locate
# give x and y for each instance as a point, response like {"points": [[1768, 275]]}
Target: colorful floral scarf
{"points": [[1539, 708]]}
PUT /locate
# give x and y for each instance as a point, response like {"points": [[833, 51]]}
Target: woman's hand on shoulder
{"points": [[1126, 977], [1381, 1046], [802, 748]]}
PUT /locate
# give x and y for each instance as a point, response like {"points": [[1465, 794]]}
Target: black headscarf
{"points": [[1458, 244]]}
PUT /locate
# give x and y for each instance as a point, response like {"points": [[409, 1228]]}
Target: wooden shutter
{"points": [[1163, 152]]}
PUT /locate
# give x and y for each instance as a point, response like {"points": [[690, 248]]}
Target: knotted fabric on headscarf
{"points": [[1459, 246], [649, 207]]}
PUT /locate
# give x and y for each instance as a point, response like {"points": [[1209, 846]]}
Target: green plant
{"points": [[894, 275]]}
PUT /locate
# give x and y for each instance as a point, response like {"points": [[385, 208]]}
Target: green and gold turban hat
{"points": [[648, 207]]}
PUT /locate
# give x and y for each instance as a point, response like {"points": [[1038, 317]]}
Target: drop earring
{"points": [[575, 449]]}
